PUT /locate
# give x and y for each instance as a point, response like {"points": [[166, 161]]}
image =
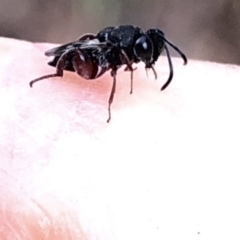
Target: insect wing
{"points": [[58, 51], [88, 44]]}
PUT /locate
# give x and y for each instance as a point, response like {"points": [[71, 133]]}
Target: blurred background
{"points": [[203, 29]]}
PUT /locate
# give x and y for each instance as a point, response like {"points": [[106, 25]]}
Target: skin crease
{"points": [[166, 166]]}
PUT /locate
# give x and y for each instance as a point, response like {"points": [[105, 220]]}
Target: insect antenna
{"points": [[176, 49], [170, 67], [170, 61]]}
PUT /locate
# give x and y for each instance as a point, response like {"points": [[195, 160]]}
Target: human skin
{"points": [[165, 167]]}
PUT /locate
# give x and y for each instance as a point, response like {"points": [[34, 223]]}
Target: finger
{"points": [[56, 144]]}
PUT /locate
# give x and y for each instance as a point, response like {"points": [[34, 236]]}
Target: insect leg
{"points": [[59, 69], [110, 100], [129, 67], [87, 36], [170, 67]]}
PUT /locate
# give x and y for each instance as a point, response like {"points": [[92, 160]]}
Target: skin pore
{"points": [[166, 166]]}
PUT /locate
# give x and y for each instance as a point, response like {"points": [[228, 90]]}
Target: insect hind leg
{"points": [[87, 36], [59, 69]]}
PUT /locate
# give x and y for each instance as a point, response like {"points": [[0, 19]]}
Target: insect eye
{"points": [[143, 48]]}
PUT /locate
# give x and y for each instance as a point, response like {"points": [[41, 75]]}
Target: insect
{"points": [[113, 47]]}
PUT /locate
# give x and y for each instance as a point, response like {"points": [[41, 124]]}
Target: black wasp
{"points": [[92, 55]]}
